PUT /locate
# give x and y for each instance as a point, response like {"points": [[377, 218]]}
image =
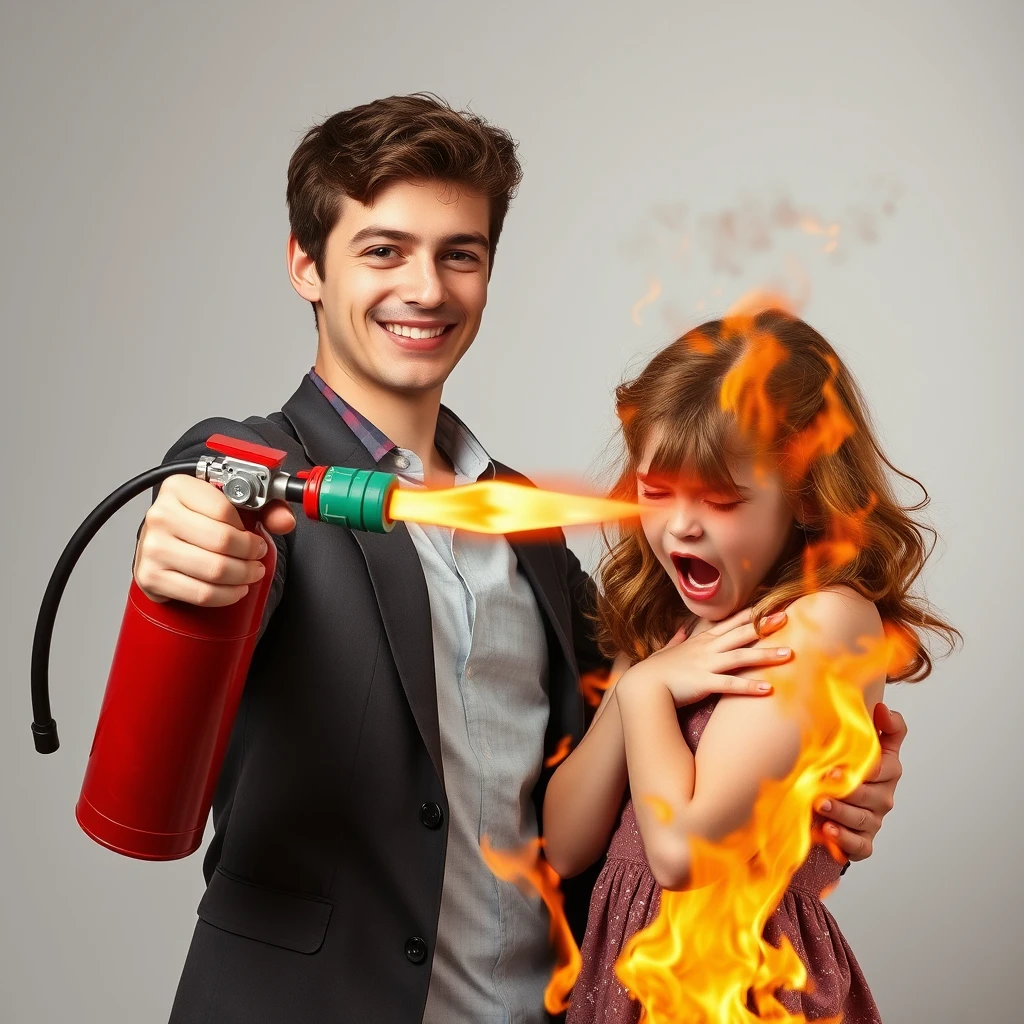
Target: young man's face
{"points": [[404, 287]]}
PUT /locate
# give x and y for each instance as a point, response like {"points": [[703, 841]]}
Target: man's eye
{"points": [[463, 257], [383, 252]]}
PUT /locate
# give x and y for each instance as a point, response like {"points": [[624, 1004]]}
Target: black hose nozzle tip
{"points": [[45, 737]]}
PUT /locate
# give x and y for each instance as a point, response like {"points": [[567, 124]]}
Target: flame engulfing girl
{"points": [[770, 542]]}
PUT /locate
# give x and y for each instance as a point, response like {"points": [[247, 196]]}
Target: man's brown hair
{"points": [[358, 153]]}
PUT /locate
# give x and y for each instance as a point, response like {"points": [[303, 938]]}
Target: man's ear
{"points": [[302, 272]]}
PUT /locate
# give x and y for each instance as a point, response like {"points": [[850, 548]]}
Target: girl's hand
{"points": [[692, 668]]}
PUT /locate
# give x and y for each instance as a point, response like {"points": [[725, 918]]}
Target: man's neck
{"points": [[408, 419]]}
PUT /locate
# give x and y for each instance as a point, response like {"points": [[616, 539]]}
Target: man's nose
{"points": [[422, 284]]}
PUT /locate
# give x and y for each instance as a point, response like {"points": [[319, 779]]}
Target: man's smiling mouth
{"points": [[416, 333]]}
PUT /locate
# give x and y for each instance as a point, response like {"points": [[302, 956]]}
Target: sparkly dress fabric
{"points": [[626, 899]]}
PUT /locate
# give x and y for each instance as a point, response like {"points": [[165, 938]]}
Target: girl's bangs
{"points": [[699, 446]]}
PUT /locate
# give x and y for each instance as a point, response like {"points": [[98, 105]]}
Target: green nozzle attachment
{"points": [[357, 498]]}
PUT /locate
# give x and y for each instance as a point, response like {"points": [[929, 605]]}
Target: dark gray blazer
{"points": [[324, 874]]}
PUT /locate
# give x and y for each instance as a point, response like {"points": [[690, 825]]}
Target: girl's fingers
{"points": [[739, 619], [737, 684], [747, 657], [677, 638], [739, 636]]}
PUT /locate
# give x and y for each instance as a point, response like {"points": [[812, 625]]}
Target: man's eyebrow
{"points": [[393, 235]]}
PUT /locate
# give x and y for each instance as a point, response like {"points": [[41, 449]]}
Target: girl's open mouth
{"points": [[698, 580]]}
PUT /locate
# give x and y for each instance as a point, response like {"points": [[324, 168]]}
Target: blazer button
{"points": [[416, 949], [431, 815]]}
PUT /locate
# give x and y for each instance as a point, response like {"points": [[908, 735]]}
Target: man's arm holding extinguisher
{"points": [[193, 547]]}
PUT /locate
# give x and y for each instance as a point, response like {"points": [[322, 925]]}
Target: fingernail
{"points": [[764, 687], [836, 773], [262, 549], [783, 652], [832, 830], [777, 617], [825, 806]]}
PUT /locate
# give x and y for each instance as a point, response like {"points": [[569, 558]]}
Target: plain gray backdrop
{"points": [[143, 288]]}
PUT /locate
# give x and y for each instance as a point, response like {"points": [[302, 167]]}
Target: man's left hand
{"points": [[854, 822]]}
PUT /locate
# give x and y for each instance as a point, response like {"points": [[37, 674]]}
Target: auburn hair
{"points": [[768, 387]]}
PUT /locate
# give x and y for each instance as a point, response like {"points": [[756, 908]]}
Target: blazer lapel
{"points": [[391, 559]]}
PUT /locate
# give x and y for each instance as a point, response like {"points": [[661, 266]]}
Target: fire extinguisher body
{"points": [[175, 682]]}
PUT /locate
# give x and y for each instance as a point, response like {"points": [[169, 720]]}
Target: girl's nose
{"points": [[685, 523]]}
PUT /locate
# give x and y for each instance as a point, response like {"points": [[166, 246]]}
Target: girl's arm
{"points": [[745, 742], [583, 798]]}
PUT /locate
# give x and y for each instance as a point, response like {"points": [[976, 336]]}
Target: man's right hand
{"points": [[194, 548]]}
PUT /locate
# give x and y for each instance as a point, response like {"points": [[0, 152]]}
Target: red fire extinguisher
{"points": [[178, 670]]}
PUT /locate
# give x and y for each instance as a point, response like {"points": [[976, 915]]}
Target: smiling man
{"points": [[408, 688]]}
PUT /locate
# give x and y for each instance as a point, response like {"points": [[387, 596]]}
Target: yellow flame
{"points": [[498, 506], [704, 955], [527, 866]]}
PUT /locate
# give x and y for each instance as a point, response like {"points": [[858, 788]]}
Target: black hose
{"points": [[44, 728]]}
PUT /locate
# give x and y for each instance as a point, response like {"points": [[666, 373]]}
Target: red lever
{"points": [[269, 457]]}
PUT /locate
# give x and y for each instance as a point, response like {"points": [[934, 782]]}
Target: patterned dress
{"points": [[626, 899]]}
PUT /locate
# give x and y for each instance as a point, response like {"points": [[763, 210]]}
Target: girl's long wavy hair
{"points": [[769, 387]]}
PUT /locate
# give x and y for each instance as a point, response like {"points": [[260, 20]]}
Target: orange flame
{"points": [[744, 390], [845, 536], [528, 867], [593, 685], [704, 954], [498, 506], [824, 434], [560, 753]]}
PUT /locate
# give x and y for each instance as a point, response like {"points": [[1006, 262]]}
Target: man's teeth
{"points": [[416, 332]]}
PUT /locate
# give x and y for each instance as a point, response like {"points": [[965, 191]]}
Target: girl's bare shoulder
{"points": [[838, 617]]}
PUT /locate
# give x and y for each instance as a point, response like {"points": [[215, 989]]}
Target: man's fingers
{"points": [[892, 728], [855, 845], [208, 566], [199, 496], [178, 587], [852, 816], [203, 531], [278, 517]]}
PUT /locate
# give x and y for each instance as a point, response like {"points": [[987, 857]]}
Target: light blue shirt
{"points": [[493, 957]]}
